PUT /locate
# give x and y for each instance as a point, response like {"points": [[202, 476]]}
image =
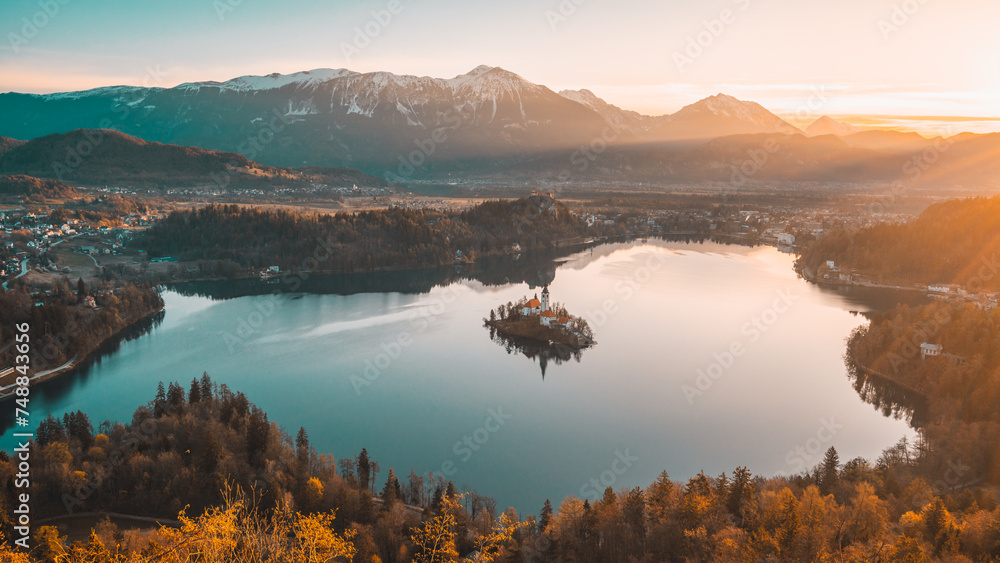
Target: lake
{"points": [[708, 357]]}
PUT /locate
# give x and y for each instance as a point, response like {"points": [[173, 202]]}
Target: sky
{"points": [[916, 64]]}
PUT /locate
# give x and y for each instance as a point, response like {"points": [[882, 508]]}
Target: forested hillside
{"points": [[953, 242], [394, 238], [37, 188], [253, 493], [956, 395], [65, 326]]}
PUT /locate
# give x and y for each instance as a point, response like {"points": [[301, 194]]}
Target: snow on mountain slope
{"points": [[617, 118], [304, 79]]}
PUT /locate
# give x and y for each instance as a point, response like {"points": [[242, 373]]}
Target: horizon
{"points": [[926, 125], [882, 63]]}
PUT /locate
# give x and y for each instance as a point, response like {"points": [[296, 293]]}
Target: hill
{"points": [[20, 184], [105, 156], [487, 123], [6, 144], [955, 242], [483, 121], [390, 239]]}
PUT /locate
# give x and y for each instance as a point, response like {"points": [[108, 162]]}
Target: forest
{"points": [[243, 490], [956, 394], [37, 189], [66, 326], [955, 242], [392, 239]]}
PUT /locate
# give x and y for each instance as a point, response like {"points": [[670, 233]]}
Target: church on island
{"points": [[545, 315]]}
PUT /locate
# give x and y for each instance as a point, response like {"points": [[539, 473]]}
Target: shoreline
{"points": [[886, 377], [571, 247], [68, 367], [507, 332], [389, 269]]}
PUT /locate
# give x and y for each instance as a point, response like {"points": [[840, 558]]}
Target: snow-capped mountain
{"points": [[826, 125], [380, 122], [620, 120]]}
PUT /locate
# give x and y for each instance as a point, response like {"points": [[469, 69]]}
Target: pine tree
{"points": [[390, 492], [545, 516], [206, 386], [828, 476], [364, 469], [194, 394], [935, 519], [160, 402]]}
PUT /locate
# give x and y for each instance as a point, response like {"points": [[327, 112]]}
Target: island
{"points": [[539, 328], [542, 321]]}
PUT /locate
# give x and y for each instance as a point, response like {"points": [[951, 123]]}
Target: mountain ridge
{"points": [[486, 123], [338, 117]]}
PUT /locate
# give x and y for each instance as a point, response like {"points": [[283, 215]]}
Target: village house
{"points": [[928, 350]]}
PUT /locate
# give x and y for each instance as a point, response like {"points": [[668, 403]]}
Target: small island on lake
{"points": [[541, 322]]}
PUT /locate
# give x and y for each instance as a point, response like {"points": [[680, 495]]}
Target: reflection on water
{"points": [[300, 361], [64, 384], [532, 349], [537, 270], [889, 397]]}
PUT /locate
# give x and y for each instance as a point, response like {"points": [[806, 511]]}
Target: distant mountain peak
{"points": [[274, 80], [720, 115], [826, 125]]}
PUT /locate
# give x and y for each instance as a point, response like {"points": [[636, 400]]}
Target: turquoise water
{"points": [[709, 357]]}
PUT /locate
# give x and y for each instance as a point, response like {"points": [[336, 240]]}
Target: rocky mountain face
{"points": [[380, 122], [489, 122]]}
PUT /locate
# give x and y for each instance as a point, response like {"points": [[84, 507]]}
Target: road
{"points": [[24, 270], [24, 264]]}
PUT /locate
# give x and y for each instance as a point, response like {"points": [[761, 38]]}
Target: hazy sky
{"points": [[811, 57]]}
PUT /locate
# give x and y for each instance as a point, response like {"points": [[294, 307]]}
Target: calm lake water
{"points": [[409, 375]]}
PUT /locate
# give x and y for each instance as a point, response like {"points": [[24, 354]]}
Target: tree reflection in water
{"points": [[890, 398], [530, 348]]}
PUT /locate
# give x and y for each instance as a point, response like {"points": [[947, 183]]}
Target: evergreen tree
{"points": [[50, 430], [545, 516], [206, 386], [160, 402], [829, 471], [390, 492], [194, 394], [364, 469]]}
